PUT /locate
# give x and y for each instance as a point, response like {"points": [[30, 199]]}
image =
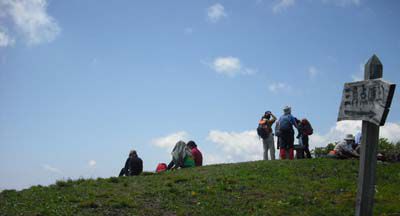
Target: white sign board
{"points": [[367, 100]]}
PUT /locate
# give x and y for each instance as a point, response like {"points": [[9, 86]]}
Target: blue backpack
{"points": [[285, 124]]}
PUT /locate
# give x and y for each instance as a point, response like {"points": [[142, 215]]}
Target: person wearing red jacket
{"points": [[197, 156]]}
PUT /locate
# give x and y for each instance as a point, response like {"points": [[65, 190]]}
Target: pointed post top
{"points": [[373, 68]]}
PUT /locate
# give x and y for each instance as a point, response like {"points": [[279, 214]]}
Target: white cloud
{"points": [[5, 39], [279, 87], [31, 20], [235, 147], [312, 72], [170, 140], [230, 66], [92, 163], [210, 158], [51, 169], [227, 65], [340, 129], [281, 5], [216, 12], [390, 131], [343, 3]]}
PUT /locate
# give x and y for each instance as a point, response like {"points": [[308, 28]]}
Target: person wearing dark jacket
{"points": [[304, 128], [133, 165]]}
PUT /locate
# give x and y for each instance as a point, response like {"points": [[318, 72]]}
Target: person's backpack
{"points": [[285, 124], [262, 131], [161, 167], [307, 128]]}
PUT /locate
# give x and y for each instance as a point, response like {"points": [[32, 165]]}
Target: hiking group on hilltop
{"points": [[188, 155], [285, 132]]}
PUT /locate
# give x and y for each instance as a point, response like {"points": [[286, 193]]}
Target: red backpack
{"points": [[307, 128], [161, 167]]}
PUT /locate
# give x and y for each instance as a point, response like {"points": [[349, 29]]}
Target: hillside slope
{"points": [[300, 187]]}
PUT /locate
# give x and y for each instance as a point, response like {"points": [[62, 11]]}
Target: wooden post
{"points": [[369, 146]]}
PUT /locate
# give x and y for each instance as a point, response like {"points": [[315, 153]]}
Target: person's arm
{"points": [[354, 153], [293, 120], [299, 131], [141, 166], [273, 118], [126, 168], [171, 165]]}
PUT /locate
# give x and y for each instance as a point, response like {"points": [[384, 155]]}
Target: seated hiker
{"points": [[345, 149], [181, 157], [133, 165], [197, 156]]}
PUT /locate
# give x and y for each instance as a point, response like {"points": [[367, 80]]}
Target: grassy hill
{"points": [[300, 187]]}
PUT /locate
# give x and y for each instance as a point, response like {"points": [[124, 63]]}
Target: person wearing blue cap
{"points": [[265, 132]]}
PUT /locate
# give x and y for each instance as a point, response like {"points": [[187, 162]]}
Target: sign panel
{"points": [[367, 100]]}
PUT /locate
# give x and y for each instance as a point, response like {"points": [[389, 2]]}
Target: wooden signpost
{"points": [[369, 101]]}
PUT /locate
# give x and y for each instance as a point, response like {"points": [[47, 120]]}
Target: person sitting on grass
{"points": [[344, 149], [133, 165], [197, 156], [181, 157]]}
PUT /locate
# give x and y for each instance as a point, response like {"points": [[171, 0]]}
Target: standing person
{"points": [[133, 165], [264, 130], [181, 156], [197, 156], [286, 133], [305, 130]]}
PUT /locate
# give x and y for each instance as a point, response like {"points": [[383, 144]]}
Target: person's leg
{"points": [[282, 153], [122, 172], [170, 165], [271, 147], [265, 146], [306, 146], [299, 152], [291, 153], [287, 156], [283, 145]]}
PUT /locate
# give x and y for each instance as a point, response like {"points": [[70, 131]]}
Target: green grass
{"points": [[300, 187]]}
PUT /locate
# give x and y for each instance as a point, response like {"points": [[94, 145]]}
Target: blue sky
{"points": [[83, 82]]}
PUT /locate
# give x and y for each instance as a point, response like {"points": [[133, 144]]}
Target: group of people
{"points": [[285, 131], [188, 155], [183, 156]]}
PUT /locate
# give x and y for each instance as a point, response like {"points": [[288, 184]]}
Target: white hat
{"points": [[287, 109], [349, 137]]}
